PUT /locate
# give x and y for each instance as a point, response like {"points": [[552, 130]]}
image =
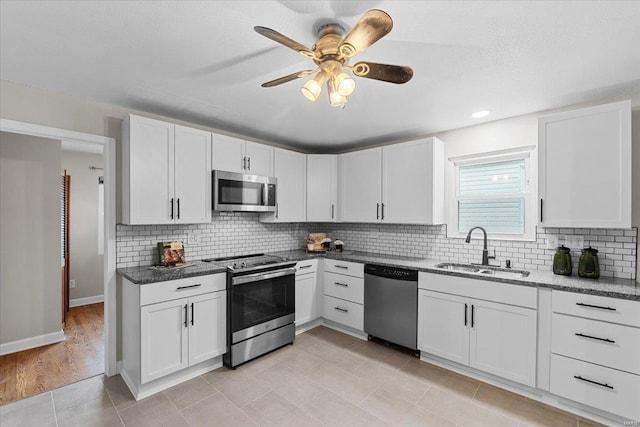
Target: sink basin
{"points": [[486, 270]]}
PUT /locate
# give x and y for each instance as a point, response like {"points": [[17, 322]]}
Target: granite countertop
{"points": [[604, 286]]}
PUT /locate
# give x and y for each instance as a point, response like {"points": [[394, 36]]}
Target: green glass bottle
{"points": [[562, 261], [588, 265]]}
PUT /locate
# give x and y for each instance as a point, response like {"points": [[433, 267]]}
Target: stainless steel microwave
{"points": [[239, 192]]}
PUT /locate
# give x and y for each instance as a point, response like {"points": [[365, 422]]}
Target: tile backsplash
{"points": [[236, 233]]}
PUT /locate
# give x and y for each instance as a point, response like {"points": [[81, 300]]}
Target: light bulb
{"points": [[335, 99], [345, 85], [312, 88]]}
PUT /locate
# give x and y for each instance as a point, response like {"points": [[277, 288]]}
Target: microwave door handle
{"points": [[265, 194]]}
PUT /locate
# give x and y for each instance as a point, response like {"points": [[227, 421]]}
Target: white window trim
{"points": [[527, 153]]}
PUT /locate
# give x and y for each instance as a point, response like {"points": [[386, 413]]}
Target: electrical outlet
{"points": [[574, 242], [552, 242], [193, 238], [72, 283]]}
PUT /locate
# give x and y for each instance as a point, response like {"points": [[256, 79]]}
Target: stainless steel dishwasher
{"points": [[391, 304]]}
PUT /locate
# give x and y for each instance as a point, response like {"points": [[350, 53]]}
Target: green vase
{"points": [[588, 265], [562, 261]]}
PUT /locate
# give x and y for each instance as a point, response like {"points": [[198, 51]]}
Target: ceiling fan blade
{"points": [[287, 78], [373, 25], [285, 41], [387, 73]]}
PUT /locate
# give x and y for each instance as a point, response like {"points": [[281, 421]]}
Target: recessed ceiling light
{"points": [[480, 114]]}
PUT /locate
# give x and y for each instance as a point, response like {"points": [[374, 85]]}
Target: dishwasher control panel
{"points": [[391, 272]]}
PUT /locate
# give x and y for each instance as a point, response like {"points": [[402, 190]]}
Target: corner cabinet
{"points": [[322, 187], [290, 169], [236, 155], [585, 167], [486, 325], [174, 331], [398, 183], [166, 173]]}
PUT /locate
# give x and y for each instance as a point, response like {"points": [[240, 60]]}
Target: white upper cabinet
{"points": [[360, 177], [399, 183], [585, 167], [236, 155], [413, 182], [322, 187], [291, 192], [166, 173]]}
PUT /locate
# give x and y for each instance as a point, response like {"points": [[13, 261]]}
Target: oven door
{"points": [[261, 301]]}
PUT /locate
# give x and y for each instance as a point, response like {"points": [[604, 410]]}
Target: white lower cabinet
{"points": [[164, 336], [343, 300], [492, 336], [306, 291]]}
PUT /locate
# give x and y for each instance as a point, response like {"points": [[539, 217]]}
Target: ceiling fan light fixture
{"points": [[312, 88], [335, 98], [344, 84]]}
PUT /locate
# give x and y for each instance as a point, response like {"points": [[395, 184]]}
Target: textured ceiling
{"points": [[202, 62]]}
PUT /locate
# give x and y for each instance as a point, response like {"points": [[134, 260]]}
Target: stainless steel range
{"points": [[260, 306]]}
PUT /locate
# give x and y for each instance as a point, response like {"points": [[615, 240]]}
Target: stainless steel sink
{"points": [[486, 270]]}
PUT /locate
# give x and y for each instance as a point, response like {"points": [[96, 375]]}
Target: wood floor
{"points": [[79, 356]]}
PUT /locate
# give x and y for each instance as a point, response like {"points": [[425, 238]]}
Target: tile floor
{"points": [[325, 379]]}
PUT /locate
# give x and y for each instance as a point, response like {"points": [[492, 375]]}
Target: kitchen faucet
{"points": [[485, 252]]}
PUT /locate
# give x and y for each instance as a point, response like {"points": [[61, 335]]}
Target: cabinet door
{"points": [[503, 341], [306, 310], [192, 175], [227, 153], [163, 339], [149, 165], [259, 159], [360, 185], [413, 182], [443, 325], [207, 326], [290, 169], [322, 187], [585, 167]]}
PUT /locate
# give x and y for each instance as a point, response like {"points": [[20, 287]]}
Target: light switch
{"points": [[574, 242], [552, 242]]}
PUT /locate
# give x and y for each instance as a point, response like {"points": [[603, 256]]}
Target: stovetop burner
{"points": [[250, 262]]}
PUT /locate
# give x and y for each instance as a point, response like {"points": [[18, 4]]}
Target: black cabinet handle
{"points": [[331, 211], [541, 210], [305, 266], [578, 377], [377, 210], [186, 315], [382, 216], [178, 200], [472, 315], [171, 202], [594, 338], [596, 306], [344, 310], [249, 163], [465, 315], [191, 314], [341, 266], [180, 288], [341, 284], [244, 163]]}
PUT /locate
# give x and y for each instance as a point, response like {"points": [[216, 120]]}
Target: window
{"points": [[493, 191]]}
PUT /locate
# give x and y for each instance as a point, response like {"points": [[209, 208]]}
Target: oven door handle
{"points": [[256, 277]]}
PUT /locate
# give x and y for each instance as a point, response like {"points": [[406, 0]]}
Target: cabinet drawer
{"points": [[607, 344], [307, 266], [181, 288], [344, 287], [344, 267], [603, 388], [344, 312], [615, 310]]}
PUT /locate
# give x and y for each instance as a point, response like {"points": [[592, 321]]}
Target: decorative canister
{"points": [[588, 265], [562, 261]]}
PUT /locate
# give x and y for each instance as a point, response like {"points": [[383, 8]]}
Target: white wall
{"points": [[30, 260], [87, 265]]}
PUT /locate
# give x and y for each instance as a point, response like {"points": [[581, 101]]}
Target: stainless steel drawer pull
{"points": [[578, 377], [180, 288], [341, 266], [595, 306], [344, 310], [594, 338], [305, 266], [341, 284]]}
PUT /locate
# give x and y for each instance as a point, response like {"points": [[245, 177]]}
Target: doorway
{"points": [[109, 277]]}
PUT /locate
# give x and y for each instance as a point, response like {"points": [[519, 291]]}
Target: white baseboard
{"points": [[77, 302], [33, 342]]}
